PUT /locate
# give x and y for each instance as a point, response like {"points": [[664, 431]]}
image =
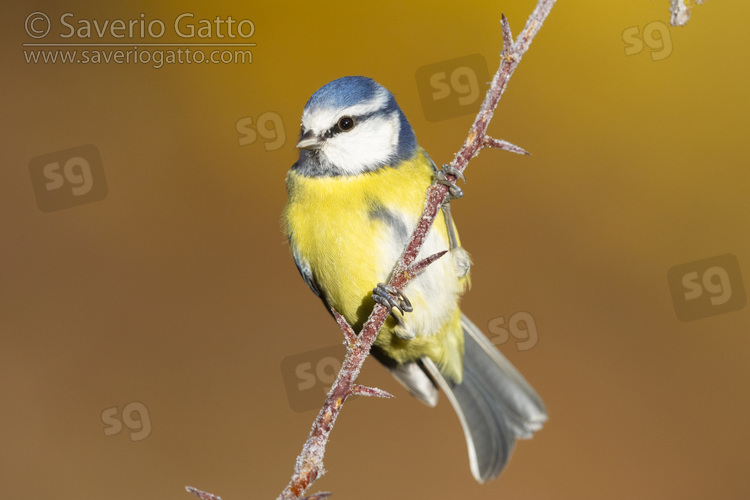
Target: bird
{"points": [[355, 195]]}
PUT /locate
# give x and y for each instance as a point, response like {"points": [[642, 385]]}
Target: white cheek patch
{"points": [[370, 143]]}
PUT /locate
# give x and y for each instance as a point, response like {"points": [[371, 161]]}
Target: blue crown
{"points": [[347, 91]]}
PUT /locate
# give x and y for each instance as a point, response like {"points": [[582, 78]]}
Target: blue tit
{"points": [[355, 196]]}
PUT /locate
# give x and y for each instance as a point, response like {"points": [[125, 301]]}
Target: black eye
{"points": [[346, 123]]}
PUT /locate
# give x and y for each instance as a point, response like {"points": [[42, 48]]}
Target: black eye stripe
{"points": [[358, 119]]}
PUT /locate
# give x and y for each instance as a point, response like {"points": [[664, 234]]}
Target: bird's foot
{"points": [[391, 298], [441, 177]]}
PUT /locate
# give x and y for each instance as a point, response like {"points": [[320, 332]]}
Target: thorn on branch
{"points": [[202, 494], [491, 142], [319, 496], [351, 336], [363, 390], [507, 37], [418, 267]]}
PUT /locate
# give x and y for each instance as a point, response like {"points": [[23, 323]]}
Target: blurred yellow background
{"points": [[171, 297]]}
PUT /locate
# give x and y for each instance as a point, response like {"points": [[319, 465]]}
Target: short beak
{"points": [[310, 141]]}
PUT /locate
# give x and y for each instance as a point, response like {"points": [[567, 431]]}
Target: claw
{"points": [[391, 298], [450, 169], [441, 177]]}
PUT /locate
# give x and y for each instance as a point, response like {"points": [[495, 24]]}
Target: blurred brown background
{"points": [[166, 290]]}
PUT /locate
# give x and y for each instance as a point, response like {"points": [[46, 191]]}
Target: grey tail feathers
{"points": [[493, 402]]}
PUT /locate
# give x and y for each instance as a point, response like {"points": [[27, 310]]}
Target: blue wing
{"points": [[304, 269]]}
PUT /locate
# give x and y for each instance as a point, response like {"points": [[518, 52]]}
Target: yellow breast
{"points": [[347, 229], [334, 225]]}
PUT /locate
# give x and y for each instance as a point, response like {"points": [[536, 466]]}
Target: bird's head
{"points": [[353, 125]]}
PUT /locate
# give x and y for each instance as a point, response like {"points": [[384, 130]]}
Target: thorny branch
{"points": [[309, 464]]}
